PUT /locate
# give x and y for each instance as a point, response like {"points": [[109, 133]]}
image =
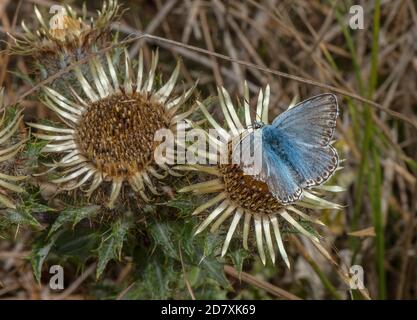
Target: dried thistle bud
{"points": [[65, 38]]}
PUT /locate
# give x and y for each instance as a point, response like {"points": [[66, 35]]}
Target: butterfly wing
{"points": [[266, 163], [296, 150], [308, 164], [312, 121], [278, 172], [302, 136]]}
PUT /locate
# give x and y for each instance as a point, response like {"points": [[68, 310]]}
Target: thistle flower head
{"points": [[108, 137], [240, 196], [9, 148], [65, 38]]}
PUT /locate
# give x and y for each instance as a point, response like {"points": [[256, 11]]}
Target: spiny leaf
{"points": [[162, 233], [189, 241], [214, 270], [38, 207], [212, 244], [33, 151], [158, 279], [73, 216], [194, 274], [40, 251], [30, 204], [20, 217], [111, 245], [238, 258], [78, 245], [183, 203]]}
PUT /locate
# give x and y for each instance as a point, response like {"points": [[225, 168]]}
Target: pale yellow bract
{"points": [[8, 151]]}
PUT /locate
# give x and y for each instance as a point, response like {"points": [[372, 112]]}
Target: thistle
{"points": [[239, 196], [108, 137], [66, 39], [9, 148]]}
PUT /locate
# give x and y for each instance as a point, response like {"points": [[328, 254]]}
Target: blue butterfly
{"points": [[295, 149]]}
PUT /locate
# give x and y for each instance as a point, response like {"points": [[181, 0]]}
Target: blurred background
{"points": [[310, 42]]}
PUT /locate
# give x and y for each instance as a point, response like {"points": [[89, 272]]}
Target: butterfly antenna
{"points": [[257, 116]]}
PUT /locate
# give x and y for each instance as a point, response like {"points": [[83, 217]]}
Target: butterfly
{"points": [[295, 150]]}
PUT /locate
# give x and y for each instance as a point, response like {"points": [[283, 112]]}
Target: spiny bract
{"points": [[9, 148], [66, 38]]}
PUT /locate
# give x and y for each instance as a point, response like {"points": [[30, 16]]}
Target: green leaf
{"points": [[157, 279], [20, 217], [212, 243], [37, 207], [189, 241], [162, 233], [73, 216], [194, 274], [40, 251], [33, 151], [183, 203], [238, 258], [78, 244], [111, 246], [214, 270]]}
